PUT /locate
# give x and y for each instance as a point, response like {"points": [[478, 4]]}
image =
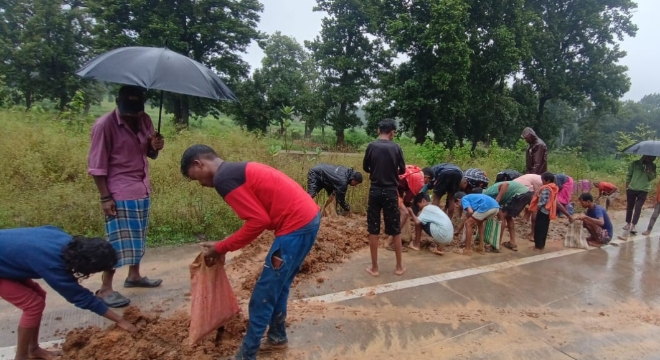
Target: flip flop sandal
{"points": [[490, 249], [143, 283], [114, 300], [391, 248], [509, 246]]}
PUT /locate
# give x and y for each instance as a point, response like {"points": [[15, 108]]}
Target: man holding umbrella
{"points": [[120, 144]]}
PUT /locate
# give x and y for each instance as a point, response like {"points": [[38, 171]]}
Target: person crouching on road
{"points": [[433, 221]]}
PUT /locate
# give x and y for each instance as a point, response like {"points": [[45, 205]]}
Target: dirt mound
{"points": [[167, 338], [159, 338]]}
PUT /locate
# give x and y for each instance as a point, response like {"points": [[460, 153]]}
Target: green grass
{"points": [[44, 177]]}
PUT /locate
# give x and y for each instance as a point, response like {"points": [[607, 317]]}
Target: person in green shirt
{"points": [[512, 197], [638, 183]]}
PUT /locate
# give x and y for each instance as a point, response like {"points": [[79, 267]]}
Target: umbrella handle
{"points": [[160, 112]]}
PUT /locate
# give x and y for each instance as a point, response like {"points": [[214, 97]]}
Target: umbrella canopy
{"points": [[159, 69], [648, 147]]}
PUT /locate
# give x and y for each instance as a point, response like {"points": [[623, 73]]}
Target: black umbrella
{"points": [[157, 68], [648, 147]]}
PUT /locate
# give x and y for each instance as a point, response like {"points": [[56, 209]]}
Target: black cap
{"points": [[130, 100]]}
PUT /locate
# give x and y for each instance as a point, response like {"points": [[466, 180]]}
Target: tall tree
{"points": [[252, 110], [428, 92], [348, 59], [213, 32], [574, 51], [283, 74], [44, 42], [497, 38]]}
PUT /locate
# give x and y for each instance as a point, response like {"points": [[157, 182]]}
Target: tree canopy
{"points": [[458, 72]]}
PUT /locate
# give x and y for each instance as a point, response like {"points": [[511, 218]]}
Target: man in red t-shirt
{"points": [[608, 190], [266, 199]]}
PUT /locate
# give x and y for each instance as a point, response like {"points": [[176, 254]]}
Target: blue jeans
{"points": [[269, 298]]}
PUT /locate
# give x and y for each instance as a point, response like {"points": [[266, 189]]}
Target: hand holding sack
{"points": [[213, 299]]}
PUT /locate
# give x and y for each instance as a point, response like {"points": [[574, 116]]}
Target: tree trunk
{"points": [[474, 145], [28, 100], [63, 102], [88, 106], [322, 133], [309, 129], [340, 138], [339, 128], [181, 112], [420, 131], [539, 113]]}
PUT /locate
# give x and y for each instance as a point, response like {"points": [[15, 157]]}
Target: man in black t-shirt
{"points": [[443, 179], [383, 161]]}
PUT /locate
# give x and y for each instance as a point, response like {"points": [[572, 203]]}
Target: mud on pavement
{"points": [[166, 338]]}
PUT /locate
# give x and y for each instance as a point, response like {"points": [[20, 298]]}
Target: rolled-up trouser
{"points": [[26, 295]]}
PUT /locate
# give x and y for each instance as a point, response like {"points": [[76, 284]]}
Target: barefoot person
{"points": [[265, 199], [609, 190], [335, 180], [478, 209], [596, 221], [433, 221], [383, 161], [410, 184], [638, 183], [59, 259], [443, 179], [544, 205], [512, 197], [122, 140]]}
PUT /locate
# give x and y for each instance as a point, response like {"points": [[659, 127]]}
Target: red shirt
{"points": [[606, 187], [265, 198], [120, 155]]}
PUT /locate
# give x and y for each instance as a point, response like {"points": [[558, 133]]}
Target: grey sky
{"points": [[296, 18]]}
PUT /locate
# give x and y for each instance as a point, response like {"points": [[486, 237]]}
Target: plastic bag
{"points": [[574, 237], [213, 300], [330, 207], [406, 231], [492, 233]]}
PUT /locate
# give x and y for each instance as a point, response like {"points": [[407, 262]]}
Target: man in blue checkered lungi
{"points": [[121, 142]]}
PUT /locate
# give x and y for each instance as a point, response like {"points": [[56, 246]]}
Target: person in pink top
{"points": [[122, 140], [532, 181]]}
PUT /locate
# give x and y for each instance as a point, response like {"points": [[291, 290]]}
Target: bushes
{"points": [[44, 176]]}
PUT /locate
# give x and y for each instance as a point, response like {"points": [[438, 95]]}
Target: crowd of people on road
{"points": [[124, 139]]}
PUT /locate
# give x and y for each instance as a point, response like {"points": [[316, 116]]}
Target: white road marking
{"points": [[9, 352]]}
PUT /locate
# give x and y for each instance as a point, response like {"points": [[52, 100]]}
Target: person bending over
{"points": [[61, 260]]}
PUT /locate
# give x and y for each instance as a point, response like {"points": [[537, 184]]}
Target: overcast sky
{"points": [[296, 18]]}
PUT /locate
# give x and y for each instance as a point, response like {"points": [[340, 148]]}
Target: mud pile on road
{"points": [[166, 338], [159, 338]]}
